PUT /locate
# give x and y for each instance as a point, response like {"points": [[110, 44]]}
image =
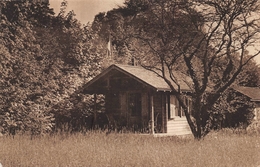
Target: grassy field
{"points": [[99, 149]]}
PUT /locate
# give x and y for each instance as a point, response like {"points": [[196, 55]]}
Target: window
{"points": [[175, 110], [135, 104]]}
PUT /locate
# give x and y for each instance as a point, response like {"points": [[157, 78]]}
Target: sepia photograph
{"points": [[130, 83]]}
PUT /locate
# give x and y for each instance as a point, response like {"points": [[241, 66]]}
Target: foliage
{"points": [[21, 107], [249, 75], [44, 60], [114, 26], [232, 110], [76, 113]]}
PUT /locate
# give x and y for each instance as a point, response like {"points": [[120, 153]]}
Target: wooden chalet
{"points": [[254, 95], [137, 97]]}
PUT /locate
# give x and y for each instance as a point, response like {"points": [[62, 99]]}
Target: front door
{"points": [[134, 104]]}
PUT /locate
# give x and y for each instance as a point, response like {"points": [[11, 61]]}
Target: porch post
{"points": [[152, 114], [95, 111]]}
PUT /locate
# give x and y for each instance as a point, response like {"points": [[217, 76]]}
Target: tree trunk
{"points": [[197, 127]]}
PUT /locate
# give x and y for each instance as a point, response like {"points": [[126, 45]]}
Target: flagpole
{"points": [[109, 47]]}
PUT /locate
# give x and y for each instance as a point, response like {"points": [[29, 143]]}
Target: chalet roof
{"points": [[252, 92], [143, 76]]}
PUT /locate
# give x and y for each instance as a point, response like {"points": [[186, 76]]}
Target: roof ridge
{"points": [[126, 65]]}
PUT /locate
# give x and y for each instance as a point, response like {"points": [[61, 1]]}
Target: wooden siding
{"points": [[178, 126], [176, 122], [112, 103], [123, 104]]}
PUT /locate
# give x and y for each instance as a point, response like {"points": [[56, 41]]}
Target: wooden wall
{"points": [[117, 108]]}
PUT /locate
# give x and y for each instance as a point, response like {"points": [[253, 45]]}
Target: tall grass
{"points": [[98, 149]]}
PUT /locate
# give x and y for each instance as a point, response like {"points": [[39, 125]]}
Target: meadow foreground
{"points": [[100, 150]]}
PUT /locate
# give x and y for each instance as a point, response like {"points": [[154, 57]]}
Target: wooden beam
{"points": [[164, 111], [95, 111], [152, 114]]}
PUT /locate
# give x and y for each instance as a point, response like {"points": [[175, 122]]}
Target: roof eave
{"points": [[255, 100], [98, 76], [119, 69], [136, 78], [169, 90]]}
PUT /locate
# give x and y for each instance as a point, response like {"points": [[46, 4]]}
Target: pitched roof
{"points": [[144, 76], [252, 92]]}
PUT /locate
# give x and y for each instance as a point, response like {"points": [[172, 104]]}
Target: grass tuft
{"points": [[101, 149]]}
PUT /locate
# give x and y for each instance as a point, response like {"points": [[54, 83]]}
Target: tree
{"points": [[21, 107], [198, 35], [81, 55], [250, 75], [232, 110], [43, 59]]}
